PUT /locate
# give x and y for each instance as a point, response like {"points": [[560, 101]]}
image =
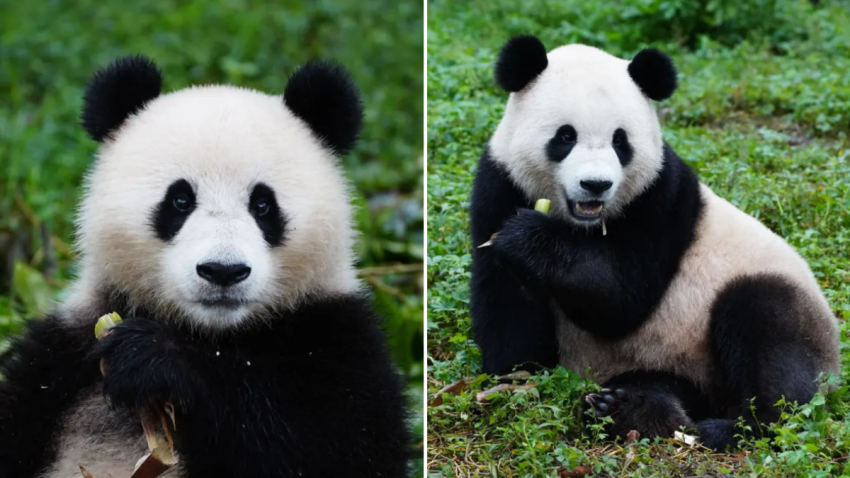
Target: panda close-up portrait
{"points": [[216, 222], [684, 309]]}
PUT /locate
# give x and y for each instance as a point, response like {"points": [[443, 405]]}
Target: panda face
{"points": [[215, 204], [581, 133]]}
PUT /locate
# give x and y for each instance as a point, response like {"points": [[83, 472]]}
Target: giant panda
{"points": [[681, 306], [216, 221]]}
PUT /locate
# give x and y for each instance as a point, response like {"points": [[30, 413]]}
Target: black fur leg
{"points": [[762, 351], [655, 404], [718, 433]]}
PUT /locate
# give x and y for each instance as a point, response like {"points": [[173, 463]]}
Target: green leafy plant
{"points": [[761, 115]]}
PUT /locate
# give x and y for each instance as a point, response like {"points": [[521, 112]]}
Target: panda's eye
{"points": [[567, 134], [261, 207], [619, 137], [182, 203]]}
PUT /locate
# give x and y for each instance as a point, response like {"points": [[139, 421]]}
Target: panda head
{"points": [[579, 127], [214, 204]]}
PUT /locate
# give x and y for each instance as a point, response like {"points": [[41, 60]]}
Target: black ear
{"points": [[654, 73], [324, 96], [520, 61], [118, 91]]}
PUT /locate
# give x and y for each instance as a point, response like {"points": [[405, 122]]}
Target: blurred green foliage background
{"points": [[49, 49], [762, 114]]}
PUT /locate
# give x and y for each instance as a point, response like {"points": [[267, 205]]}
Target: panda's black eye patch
{"points": [[562, 143], [621, 145], [173, 210], [269, 217]]}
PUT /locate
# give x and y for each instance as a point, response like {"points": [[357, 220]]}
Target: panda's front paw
{"points": [[526, 242], [144, 366]]}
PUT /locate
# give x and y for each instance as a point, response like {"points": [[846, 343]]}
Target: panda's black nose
{"points": [[223, 274], [596, 187]]}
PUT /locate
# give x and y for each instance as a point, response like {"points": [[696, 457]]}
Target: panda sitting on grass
{"points": [[683, 307], [216, 222]]}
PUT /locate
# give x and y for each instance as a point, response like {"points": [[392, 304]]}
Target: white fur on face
{"points": [[587, 162], [223, 141], [592, 91]]}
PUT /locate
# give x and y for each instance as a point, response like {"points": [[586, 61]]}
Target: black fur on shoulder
{"points": [[325, 97], [42, 373], [655, 74], [512, 325], [114, 93], [520, 61]]}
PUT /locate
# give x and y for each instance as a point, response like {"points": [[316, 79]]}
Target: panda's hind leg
{"points": [[765, 340], [655, 404]]}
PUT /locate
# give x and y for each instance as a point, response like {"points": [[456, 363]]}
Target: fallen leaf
{"points": [[519, 375], [452, 389], [576, 472], [85, 472], [739, 456], [482, 396]]}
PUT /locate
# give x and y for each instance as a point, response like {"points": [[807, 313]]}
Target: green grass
{"points": [[48, 50], [762, 115]]}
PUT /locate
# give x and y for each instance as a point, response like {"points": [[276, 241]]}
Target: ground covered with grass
{"points": [[762, 114], [48, 50]]}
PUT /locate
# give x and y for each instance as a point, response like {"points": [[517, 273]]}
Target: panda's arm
{"points": [[41, 376], [606, 290], [288, 400], [512, 324]]}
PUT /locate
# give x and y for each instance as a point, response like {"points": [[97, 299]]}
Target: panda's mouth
{"points": [[586, 210], [223, 302]]}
